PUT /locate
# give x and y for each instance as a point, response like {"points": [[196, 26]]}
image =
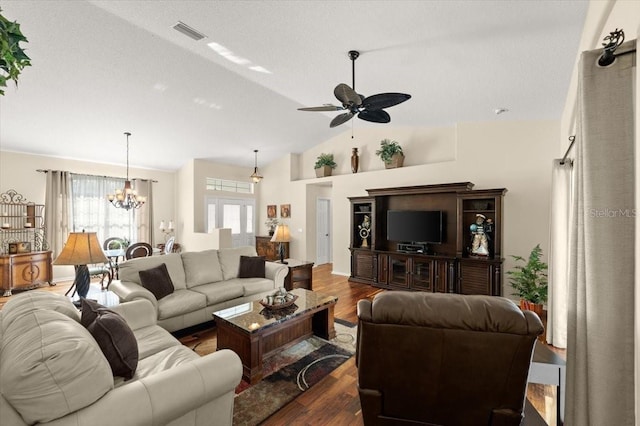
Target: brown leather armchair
{"points": [[443, 359]]}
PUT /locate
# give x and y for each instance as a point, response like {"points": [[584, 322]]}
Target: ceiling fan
{"points": [[370, 108]]}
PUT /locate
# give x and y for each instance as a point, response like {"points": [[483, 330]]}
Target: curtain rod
{"points": [[86, 174], [611, 43], [572, 139]]}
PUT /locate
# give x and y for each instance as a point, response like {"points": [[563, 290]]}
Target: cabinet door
{"points": [[398, 271], [364, 265], [422, 274], [476, 278], [441, 276], [383, 269]]}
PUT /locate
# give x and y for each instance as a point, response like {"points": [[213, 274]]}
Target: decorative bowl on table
{"points": [[279, 300]]}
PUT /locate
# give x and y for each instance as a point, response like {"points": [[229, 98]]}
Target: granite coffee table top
{"points": [[252, 317]]}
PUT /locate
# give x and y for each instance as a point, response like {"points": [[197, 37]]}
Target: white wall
{"points": [[513, 155], [18, 172]]}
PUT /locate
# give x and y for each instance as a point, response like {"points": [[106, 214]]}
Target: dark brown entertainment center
{"points": [[447, 267]]}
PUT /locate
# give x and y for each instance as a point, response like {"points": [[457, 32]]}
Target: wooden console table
{"points": [[268, 249], [300, 274], [24, 271]]}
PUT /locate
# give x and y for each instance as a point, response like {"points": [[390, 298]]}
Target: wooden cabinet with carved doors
{"points": [[415, 272], [24, 271]]}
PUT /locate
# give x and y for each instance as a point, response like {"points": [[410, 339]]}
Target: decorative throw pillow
{"points": [[157, 281], [251, 267], [89, 310], [113, 335]]}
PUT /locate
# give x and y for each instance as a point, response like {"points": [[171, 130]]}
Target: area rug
{"points": [[290, 373]]}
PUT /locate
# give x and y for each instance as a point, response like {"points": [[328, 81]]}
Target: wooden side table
{"points": [[300, 274]]}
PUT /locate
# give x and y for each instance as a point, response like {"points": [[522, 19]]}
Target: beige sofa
{"points": [[54, 373], [204, 282]]}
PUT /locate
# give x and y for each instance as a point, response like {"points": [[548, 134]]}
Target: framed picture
{"points": [[285, 211], [272, 211], [22, 247]]}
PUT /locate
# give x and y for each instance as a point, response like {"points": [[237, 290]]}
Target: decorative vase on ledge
{"points": [[355, 160], [396, 161]]}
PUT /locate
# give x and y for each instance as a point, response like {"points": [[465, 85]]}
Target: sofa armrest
{"points": [[138, 313], [276, 272], [166, 396], [129, 291]]}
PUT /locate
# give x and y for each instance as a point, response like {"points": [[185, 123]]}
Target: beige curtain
{"points": [[144, 215], [561, 199], [600, 328], [57, 210]]}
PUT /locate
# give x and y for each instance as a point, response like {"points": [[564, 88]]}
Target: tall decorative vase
{"points": [[355, 160]]}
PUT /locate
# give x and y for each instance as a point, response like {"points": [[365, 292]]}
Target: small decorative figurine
{"points": [[480, 232], [365, 230]]}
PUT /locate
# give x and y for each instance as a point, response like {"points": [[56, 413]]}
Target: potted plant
{"points": [[271, 224], [324, 165], [391, 153], [12, 57], [530, 281]]}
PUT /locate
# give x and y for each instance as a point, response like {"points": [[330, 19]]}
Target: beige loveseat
{"points": [[204, 282], [54, 373]]}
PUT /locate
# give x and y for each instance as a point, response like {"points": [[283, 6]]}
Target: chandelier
{"points": [[255, 177], [127, 198]]}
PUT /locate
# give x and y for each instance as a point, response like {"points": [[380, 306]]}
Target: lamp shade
{"points": [[81, 248], [281, 234]]}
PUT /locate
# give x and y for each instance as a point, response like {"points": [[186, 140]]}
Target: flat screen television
{"points": [[415, 226]]}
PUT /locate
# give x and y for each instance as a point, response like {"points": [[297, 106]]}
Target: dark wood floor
{"points": [[334, 401]]}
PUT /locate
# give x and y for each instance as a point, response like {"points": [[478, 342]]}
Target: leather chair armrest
{"points": [[364, 310], [165, 396], [276, 272], [128, 291], [138, 313]]}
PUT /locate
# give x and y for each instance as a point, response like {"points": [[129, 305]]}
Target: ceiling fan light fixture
{"points": [[369, 108], [255, 176]]}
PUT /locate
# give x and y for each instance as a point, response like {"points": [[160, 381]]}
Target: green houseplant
{"points": [[324, 165], [391, 153], [529, 280], [12, 56]]}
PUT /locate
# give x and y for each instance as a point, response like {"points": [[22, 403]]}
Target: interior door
{"points": [[323, 231], [237, 214]]}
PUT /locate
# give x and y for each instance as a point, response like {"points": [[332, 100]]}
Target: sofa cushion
{"points": [[230, 259], [151, 340], [220, 291], [129, 270], [180, 302], [164, 360], [90, 310], [201, 267], [117, 342], [251, 267], [157, 281], [56, 366], [253, 285], [37, 299]]}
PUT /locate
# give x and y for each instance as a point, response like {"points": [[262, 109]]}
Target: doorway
{"points": [[323, 231], [235, 213]]}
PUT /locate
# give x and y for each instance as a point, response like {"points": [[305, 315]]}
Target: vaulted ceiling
{"points": [[101, 68]]}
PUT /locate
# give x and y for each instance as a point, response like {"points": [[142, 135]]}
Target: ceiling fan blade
{"points": [[376, 116], [322, 108], [342, 118], [384, 100], [347, 95]]}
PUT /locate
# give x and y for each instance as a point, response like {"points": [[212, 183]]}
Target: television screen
{"points": [[415, 226]]}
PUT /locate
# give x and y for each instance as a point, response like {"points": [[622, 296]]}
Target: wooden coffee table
{"points": [[255, 333]]}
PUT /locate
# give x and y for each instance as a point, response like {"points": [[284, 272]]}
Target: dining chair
{"points": [[168, 247], [138, 250], [111, 244]]}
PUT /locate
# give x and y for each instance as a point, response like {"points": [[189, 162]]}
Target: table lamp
{"points": [[281, 235], [81, 248]]}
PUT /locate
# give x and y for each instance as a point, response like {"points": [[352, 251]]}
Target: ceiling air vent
{"points": [[188, 31]]}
